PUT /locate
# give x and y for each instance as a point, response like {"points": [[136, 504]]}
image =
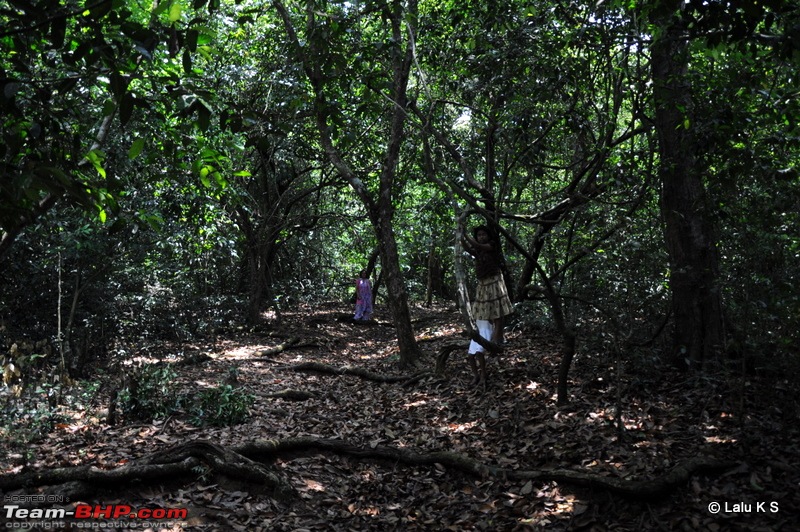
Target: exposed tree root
{"points": [[347, 370], [444, 354], [240, 463], [291, 343], [446, 350], [648, 489], [194, 360], [293, 395], [184, 460], [414, 379], [343, 317], [280, 348]]}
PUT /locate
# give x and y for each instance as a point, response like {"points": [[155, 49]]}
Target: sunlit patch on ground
{"points": [[243, 352], [460, 427]]}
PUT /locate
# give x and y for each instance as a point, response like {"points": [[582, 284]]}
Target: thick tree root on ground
{"points": [[181, 461], [242, 463], [342, 317], [285, 346], [446, 350]]}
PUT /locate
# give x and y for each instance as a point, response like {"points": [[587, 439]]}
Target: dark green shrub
{"points": [[150, 392], [223, 405]]}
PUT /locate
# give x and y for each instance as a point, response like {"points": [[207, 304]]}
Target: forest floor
{"points": [[515, 424]]}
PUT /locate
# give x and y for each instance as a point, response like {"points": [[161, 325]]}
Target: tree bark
{"points": [[694, 269]]}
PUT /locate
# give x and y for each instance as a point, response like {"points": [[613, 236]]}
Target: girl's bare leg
{"points": [[497, 331], [482, 368], [474, 366]]}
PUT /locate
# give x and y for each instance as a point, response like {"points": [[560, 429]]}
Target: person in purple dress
{"points": [[363, 297]]}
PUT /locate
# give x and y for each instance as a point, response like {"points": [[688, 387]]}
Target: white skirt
{"points": [[485, 332]]}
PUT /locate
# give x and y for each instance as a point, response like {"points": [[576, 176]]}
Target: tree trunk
{"points": [[696, 301], [397, 296], [395, 283], [432, 271], [260, 258], [373, 258], [380, 209]]}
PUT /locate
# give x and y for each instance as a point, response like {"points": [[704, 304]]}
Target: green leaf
{"points": [[109, 107], [58, 174], [118, 85], [175, 11], [203, 116], [205, 52], [204, 173], [96, 157], [191, 40], [136, 149]]}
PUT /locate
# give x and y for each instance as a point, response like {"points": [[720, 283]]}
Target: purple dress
{"points": [[363, 299]]}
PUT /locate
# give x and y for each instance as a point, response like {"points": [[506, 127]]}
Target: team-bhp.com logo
{"points": [[88, 511]]}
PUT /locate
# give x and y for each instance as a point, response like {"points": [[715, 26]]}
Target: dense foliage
{"points": [[169, 170]]}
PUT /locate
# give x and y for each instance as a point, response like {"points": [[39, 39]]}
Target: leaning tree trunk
{"points": [[696, 300]]}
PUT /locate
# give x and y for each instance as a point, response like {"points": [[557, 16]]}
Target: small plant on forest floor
{"points": [[203, 473], [150, 392], [223, 405]]}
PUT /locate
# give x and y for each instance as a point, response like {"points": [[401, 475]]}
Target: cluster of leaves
{"points": [[151, 393], [31, 413], [23, 357], [221, 406]]}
